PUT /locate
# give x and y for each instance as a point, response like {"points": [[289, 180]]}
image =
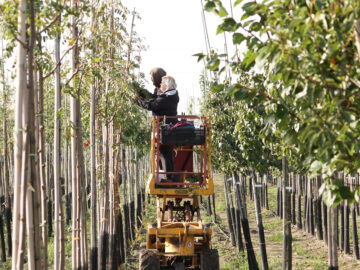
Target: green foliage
{"points": [[306, 54], [236, 126]]}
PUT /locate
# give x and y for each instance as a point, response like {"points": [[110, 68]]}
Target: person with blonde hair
{"points": [[166, 101]]}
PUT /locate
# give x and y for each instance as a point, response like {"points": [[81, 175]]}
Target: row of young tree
{"points": [[287, 102], [80, 142]]}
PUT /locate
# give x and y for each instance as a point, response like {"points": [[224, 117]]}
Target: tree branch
{"points": [[322, 85], [355, 82], [11, 27], [357, 37], [50, 24], [72, 76], [18, 40], [58, 63]]}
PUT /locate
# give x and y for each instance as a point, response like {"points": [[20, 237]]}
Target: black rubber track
{"points": [[148, 260], [209, 260]]}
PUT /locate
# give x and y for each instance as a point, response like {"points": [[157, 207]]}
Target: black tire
{"points": [[209, 260], [179, 266], [148, 260]]}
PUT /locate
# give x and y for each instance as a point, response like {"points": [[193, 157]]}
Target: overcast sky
{"points": [[173, 32]]}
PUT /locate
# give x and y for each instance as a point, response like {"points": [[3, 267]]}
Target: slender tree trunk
{"points": [[332, 241], [2, 235], [125, 201], [299, 191], [19, 194], [245, 224], [59, 243], [138, 192], [104, 231], [237, 219], [30, 176], [287, 249], [228, 211], [40, 132], [7, 205], [94, 247], [94, 206], [324, 212], [75, 162], [355, 233], [346, 228], [131, 194], [265, 265]]}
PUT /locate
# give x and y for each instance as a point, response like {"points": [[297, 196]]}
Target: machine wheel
{"points": [[148, 260], [179, 266], [209, 260]]}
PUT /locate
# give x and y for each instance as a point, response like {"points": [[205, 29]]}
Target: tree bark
{"points": [[7, 206], [94, 247], [59, 243], [75, 152], [287, 249], [241, 204], [228, 211], [256, 189], [19, 193], [46, 220]]}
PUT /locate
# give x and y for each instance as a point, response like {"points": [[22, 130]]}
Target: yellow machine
{"points": [[179, 240]]}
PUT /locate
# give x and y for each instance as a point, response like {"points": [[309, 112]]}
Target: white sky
{"points": [[173, 32]]}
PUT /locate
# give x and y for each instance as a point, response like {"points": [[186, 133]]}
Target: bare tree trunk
{"points": [[332, 241], [83, 202], [40, 144], [255, 186], [287, 249], [19, 193], [229, 211], [75, 119], [241, 207], [36, 252], [59, 243], [94, 247], [104, 226], [7, 205]]}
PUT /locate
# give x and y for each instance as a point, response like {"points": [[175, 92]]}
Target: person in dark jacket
{"points": [[166, 101], [164, 104]]}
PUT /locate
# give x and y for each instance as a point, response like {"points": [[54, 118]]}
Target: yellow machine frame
{"points": [[188, 237], [207, 189]]}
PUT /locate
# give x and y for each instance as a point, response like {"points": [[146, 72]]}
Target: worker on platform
{"points": [[164, 103]]}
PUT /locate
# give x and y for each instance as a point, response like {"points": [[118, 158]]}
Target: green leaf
{"points": [[228, 25], [217, 88], [222, 11], [256, 26], [238, 38], [213, 64], [250, 8], [237, 2], [200, 56], [249, 60], [210, 6], [345, 193]]}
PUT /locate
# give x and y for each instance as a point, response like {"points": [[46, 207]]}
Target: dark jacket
{"points": [[164, 104]]}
